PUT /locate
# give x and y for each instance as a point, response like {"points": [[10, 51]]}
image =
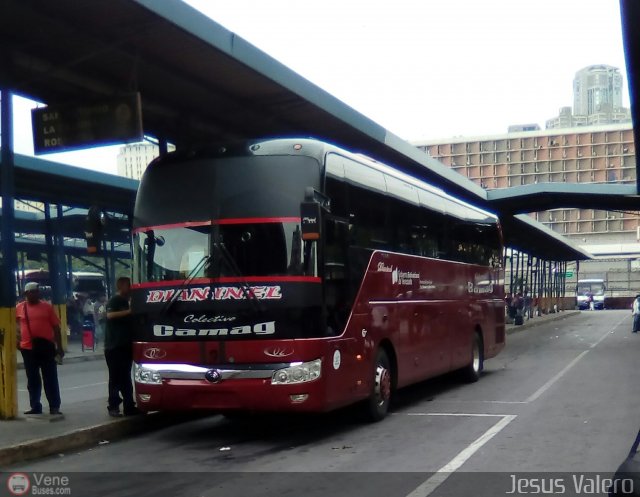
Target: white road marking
{"points": [[429, 485], [447, 401], [544, 387], [550, 383], [457, 414], [535, 395]]}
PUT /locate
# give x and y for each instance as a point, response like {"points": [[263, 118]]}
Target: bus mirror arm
{"points": [[311, 195]]}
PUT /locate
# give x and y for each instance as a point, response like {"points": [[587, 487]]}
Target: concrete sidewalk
{"points": [[86, 423], [83, 424], [544, 318]]}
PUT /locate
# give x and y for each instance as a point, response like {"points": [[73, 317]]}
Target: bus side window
{"points": [[368, 214]]}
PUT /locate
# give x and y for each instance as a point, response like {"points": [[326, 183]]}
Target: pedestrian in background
{"points": [[527, 305], [100, 313], [636, 314], [118, 342], [40, 343]]}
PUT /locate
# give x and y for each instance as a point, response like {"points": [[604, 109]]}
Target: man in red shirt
{"points": [[40, 338]]}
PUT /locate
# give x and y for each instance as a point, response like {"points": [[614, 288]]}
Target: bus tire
{"points": [[471, 373], [377, 405]]}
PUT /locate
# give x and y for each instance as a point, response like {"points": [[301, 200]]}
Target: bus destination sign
{"points": [[58, 128]]}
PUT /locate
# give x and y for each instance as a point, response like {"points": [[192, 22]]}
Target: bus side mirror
{"points": [[94, 226], [310, 220]]}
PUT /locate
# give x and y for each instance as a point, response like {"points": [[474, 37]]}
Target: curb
{"points": [[89, 436], [533, 322]]}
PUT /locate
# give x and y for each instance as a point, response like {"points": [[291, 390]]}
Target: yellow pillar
{"points": [[61, 311], [8, 365]]}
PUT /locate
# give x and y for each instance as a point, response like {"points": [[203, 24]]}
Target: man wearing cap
{"points": [[40, 341]]}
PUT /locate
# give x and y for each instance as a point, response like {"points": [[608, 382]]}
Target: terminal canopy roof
{"points": [[201, 83]]}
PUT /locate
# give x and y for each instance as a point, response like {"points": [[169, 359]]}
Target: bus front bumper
{"points": [[296, 387]]}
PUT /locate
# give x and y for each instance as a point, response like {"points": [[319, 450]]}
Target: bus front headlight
{"points": [[145, 375], [300, 372]]}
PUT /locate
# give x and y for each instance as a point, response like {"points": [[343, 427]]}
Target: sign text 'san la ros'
{"points": [[57, 128]]}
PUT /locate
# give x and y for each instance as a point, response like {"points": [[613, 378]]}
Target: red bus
{"points": [[291, 275]]}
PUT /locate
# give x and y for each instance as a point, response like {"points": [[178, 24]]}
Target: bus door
{"points": [[337, 300]]}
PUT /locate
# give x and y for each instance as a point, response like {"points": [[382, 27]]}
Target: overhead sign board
{"points": [[59, 128]]}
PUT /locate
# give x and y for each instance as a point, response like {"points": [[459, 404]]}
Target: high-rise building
{"points": [[597, 88], [592, 154], [597, 99], [133, 159]]}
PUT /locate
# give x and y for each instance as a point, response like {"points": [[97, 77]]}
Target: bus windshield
{"points": [[271, 248], [223, 217], [89, 284]]}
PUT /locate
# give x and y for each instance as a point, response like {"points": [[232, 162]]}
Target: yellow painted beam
{"points": [[61, 311], [8, 364]]}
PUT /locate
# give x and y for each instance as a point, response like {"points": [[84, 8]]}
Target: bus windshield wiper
{"points": [[192, 274], [244, 285]]}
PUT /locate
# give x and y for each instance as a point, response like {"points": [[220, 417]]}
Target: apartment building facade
{"points": [[589, 154]]}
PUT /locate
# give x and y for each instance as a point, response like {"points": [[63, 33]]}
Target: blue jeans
{"points": [[33, 366]]}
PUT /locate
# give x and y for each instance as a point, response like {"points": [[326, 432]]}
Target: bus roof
{"points": [[431, 197]]}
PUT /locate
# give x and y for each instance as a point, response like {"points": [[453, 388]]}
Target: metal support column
{"points": [[8, 264], [511, 273], [55, 257], [69, 275], [107, 271], [21, 267], [517, 278], [112, 265], [534, 275]]}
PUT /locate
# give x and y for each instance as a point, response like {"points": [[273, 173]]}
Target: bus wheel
{"points": [[472, 372], [378, 403]]}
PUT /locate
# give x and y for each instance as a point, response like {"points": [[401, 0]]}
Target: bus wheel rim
{"points": [[383, 385], [476, 357]]}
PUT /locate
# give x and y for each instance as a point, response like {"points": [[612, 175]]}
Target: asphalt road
{"points": [[562, 403]]}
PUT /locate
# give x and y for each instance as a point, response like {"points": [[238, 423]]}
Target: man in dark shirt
{"points": [[117, 350]]}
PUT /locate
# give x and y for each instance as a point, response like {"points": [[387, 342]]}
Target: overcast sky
{"points": [[424, 69]]}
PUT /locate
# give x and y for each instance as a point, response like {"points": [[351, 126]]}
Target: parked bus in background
{"points": [[88, 284], [290, 275], [84, 284], [589, 292]]}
